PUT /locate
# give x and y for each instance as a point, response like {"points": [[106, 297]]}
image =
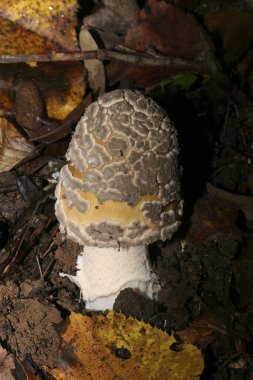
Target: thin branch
{"points": [[130, 56]]}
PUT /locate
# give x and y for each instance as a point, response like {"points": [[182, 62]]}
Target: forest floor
{"points": [[206, 269]]}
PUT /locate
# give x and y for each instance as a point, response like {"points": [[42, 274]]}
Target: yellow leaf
{"points": [[37, 26], [13, 146], [41, 26], [115, 347]]}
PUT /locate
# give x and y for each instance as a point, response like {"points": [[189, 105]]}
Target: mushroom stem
{"points": [[103, 272]]}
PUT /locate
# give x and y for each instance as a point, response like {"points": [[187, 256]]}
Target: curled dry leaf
{"points": [[29, 106], [112, 346], [13, 146], [95, 67], [110, 35]]}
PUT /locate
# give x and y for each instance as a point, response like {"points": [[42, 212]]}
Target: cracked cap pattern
{"points": [[122, 182]]}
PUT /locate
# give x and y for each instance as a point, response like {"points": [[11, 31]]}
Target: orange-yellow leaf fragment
{"points": [[37, 26], [115, 347], [13, 146], [42, 26]]}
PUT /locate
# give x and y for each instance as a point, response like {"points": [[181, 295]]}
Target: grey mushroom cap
{"points": [[122, 181]]}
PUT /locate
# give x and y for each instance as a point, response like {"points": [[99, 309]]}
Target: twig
{"points": [[51, 262], [130, 56], [39, 266], [48, 250]]}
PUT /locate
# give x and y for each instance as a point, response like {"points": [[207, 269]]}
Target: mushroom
{"points": [[119, 192]]}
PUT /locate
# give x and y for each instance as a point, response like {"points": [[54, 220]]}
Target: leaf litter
{"points": [[206, 295]]}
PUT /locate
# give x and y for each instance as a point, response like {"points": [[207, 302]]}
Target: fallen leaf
{"points": [[109, 35], [203, 331], [113, 346], [39, 27], [29, 106], [166, 29], [213, 219], [95, 67], [13, 146]]}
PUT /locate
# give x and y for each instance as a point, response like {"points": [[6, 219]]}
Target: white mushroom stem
{"points": [[103, 272]]}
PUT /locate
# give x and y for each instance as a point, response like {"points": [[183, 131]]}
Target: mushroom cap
{"points": [[121, 184]]}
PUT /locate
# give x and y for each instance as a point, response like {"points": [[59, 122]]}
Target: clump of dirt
{"points": [[132, 303], [28, 326], [194, 270]]}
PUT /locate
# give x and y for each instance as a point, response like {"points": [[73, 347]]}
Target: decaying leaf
{"points": [[13, 146], [213, 218], [29, 106], [113, 346], [39, 27], [164, 28], [167, 29], [204, 330], [95, 67], [110, 22]]}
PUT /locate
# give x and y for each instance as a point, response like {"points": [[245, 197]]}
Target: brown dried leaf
{"points": [[213, 219], [95, 67], [13, 146], [110, 34], [29, 106], [168, 30], [203, 331]]}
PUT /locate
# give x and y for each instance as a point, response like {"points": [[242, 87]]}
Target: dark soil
{"points": [[206, 293]]}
